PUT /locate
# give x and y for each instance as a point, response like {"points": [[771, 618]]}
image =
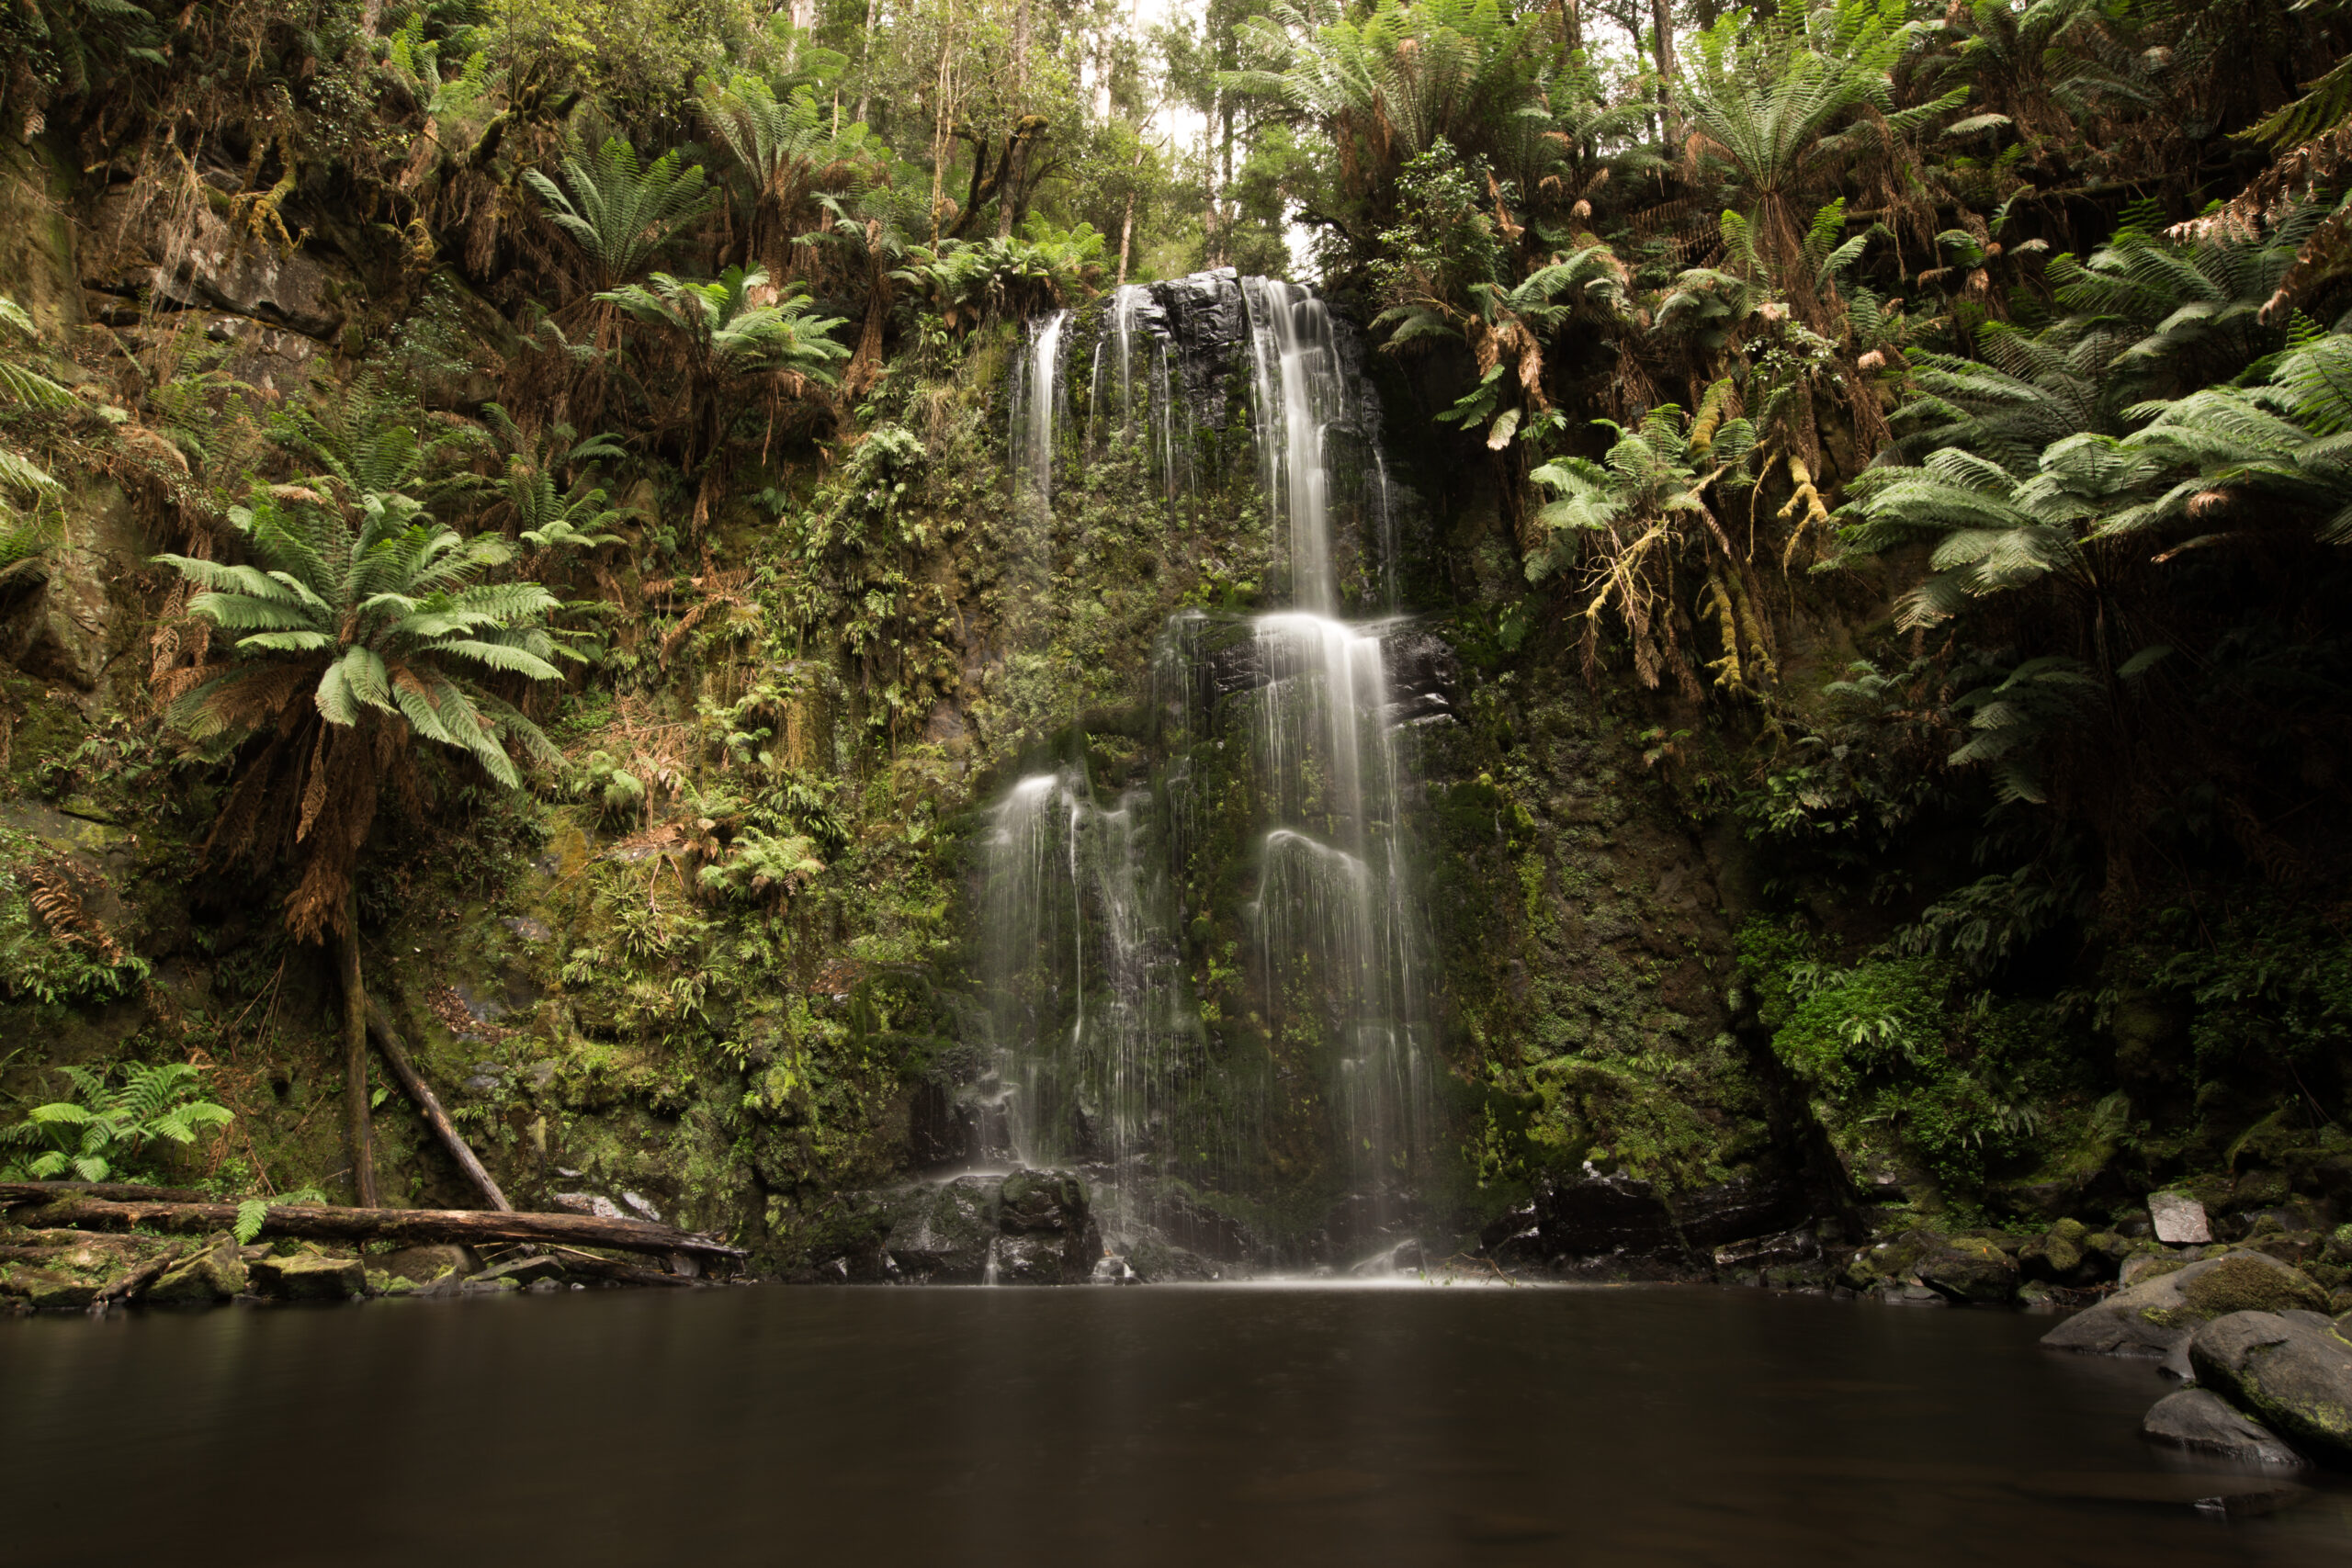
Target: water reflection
{"points": [[1167, 1426]]}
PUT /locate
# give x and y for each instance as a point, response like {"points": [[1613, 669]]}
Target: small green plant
{"points": [[105, 1131], [253, 1213]]}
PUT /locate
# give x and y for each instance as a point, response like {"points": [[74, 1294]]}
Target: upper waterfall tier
{"points": [[1169, 370]]}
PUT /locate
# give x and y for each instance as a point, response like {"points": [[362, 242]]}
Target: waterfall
{"points": [[1208, 991], [1039, 396], [1296, 382]]}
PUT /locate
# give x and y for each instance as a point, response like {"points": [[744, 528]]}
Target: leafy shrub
{"points": [[106, 1132]]}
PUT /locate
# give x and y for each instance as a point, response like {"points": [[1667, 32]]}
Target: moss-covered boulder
{"points": [[307, 1276], [214, 1273], [1974, 1270], [2154, 1316], [2295, 1377]]}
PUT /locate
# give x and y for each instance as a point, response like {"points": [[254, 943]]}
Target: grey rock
{"points": [[2294, 1379], [594, 1203], [2156, 1317], [2202, 1422], [2179, 1219], [522, 1271]]}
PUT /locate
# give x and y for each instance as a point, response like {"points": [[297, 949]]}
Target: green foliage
{"points": [[393, 615], [966, 283], [621, 210], [737, 324], [1901, 1047], [109, 1130]]}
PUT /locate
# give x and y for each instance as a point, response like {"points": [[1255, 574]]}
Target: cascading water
{"points": [[1207, 990], [1039, 397]]}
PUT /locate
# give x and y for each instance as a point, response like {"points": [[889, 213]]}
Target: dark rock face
{"points": [[1032, 1227], [1623, 1214], [2294, 1378]]}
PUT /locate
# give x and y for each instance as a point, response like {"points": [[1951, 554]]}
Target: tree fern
{"points": [[618, 208]]}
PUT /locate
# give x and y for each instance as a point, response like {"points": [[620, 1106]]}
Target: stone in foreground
{"points": [[2294, 1379], [2201, 1421]]}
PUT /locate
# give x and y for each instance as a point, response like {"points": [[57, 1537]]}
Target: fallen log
{"points": [[120, 1191], [403, 1227], [395, 1052]]}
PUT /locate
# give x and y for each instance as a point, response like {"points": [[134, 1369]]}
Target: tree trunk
{"points": [[1571, 27], [1016, 148], [46, 1206], [1662, 11], [396, 1052], [865, 67], [1127, 221], [355, 1056]]}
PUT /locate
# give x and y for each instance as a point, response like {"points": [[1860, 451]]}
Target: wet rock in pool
{"points": [[2202, 1422], [2154, 1317], [307, 1276], [944, 1232], [2292, 1377], [213, 1274]]}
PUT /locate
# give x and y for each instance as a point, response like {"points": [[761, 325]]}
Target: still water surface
{"points": [[1175, 1424]]}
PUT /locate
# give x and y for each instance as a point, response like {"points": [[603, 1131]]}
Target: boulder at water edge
{"points": [[307, 1276], [1969, 1269], [213, 1274], [2155, 1316], [2294, 1377], [2202, 1422]]}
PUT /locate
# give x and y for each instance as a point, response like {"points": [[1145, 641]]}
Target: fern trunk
{"points": [[355, 1055]]}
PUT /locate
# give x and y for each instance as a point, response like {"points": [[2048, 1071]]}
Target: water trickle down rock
{"points": [[1105, 1053]]}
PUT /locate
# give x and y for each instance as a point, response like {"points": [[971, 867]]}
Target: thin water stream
{"points": [[1410, 1425]]}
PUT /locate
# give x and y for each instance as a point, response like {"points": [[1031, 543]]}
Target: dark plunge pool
{"points": [[1174, 1425]]}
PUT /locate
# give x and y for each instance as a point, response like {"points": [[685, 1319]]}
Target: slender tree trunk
{"points": [[866, 66], [1571, 27], [355, 1056], [940, 142], [1662, 13], [1016, 146], [1127, 221]]}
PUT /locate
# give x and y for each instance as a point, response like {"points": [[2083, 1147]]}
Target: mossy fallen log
{"points": [[42, 1204]]}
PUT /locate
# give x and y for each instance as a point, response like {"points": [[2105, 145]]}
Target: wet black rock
{"points": [[1626, 1216], [2202, 1422], [1032, 1227]]}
